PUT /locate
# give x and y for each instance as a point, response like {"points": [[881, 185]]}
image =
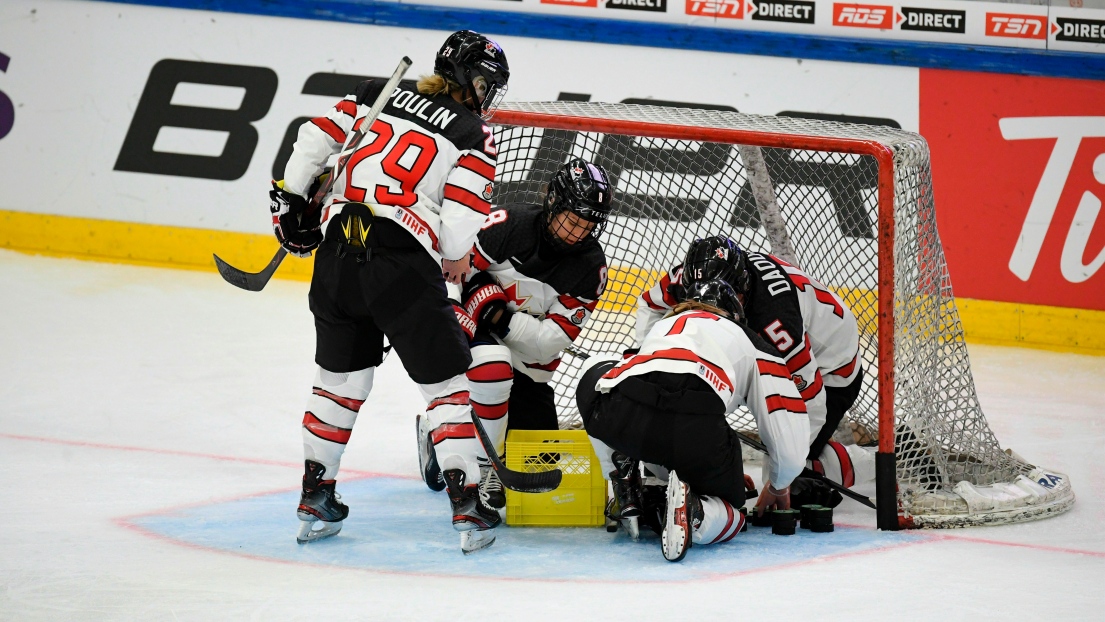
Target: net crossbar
{"points": [[857, 207]]}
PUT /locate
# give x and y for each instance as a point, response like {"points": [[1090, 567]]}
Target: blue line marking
{"points": [[397, 525], [902, 53]]}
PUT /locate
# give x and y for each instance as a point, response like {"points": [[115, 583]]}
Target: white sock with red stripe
{"points": [[721, 521], [448, 415], [490, 377], [846, 464], [331, 412]]}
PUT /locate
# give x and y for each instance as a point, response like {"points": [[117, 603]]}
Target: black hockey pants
{"points": [[392, 288], [647, 417]]}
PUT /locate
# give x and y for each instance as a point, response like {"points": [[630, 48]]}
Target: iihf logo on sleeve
{"points": [[7, 109]]}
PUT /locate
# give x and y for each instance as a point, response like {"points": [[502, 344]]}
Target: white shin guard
{"points": [[490, 377], [848, 465], [331, 412], [448, 416], [721, 522]]}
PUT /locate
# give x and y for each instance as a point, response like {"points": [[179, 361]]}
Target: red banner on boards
{"points": [[1018, 167]]}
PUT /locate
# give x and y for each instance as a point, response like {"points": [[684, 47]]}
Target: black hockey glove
{"points": [[296, 231], [486, 302], [810, 491]]}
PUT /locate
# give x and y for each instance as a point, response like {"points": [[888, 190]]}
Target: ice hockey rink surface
{"points": [[151, 457]]}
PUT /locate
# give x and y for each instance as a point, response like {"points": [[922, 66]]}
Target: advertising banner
{"points": [[1018, 164], [181, 118]]}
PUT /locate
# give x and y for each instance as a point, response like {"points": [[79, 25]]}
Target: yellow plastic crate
{"points": [[580, 499]]}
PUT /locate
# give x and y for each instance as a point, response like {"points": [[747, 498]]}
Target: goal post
{"points": [[854, 205]]}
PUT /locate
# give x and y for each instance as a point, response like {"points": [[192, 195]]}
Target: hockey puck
{"points": [[760, 521], [784, 522], [821, 520], [807, 511]]}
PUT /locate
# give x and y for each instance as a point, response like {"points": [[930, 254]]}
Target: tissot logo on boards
{"points": [[658, 6], [933, 20], [1079, 30], [732, 9], [1015, 26], [862, 15], [792, 11]]}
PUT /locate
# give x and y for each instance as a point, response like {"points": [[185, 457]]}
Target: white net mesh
{"points": [[671, 190]]}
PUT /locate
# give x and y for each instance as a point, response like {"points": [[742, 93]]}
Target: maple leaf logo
{"points": [[511, 292]]}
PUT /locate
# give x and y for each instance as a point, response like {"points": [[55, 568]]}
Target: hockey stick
{"points": [[543, 481], [806, 472], [255, 282]]}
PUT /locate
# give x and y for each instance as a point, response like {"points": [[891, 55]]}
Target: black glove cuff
{"points": [[502, 326]]}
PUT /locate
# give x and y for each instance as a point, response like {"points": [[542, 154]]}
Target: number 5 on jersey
{"points": [[779, 336]]}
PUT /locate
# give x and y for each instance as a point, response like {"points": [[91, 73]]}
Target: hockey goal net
{"points": [[852, 206]]}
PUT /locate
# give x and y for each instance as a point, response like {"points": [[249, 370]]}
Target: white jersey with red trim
{"points": [[427, 162], [810, 326], [553, 294], [741, 369]]}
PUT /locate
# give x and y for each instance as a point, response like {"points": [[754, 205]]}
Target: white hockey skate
{"points": [[427, 458]]}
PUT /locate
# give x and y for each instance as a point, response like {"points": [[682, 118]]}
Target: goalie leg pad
{"points": [[331, 411]]}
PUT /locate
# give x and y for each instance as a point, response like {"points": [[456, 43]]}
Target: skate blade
{"points": [[472, 541], [307, 532], [632, 527]]}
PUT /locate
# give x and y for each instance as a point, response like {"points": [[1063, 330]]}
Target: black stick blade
{"points": [[253, 282], [543, 481]]}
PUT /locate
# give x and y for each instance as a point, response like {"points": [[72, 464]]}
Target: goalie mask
{"points": [[716, 257], [478, 66], [718, 293], [583, 189]]}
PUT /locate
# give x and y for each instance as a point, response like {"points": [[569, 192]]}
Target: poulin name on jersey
{"points": [[772, 276], [417, 105]]}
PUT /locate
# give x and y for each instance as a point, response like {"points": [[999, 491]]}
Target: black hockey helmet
{"points": [[716, 257], [583, 189], [718, 293], [476, 64]]}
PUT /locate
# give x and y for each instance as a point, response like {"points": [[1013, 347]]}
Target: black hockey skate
{"points": [[427, 458], [319, 506], [491, 488], [470, 511], [682, 517], [626, 505]]}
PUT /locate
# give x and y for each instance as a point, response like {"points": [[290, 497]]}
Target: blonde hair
{"points": [[694, 305], [435, 84]]}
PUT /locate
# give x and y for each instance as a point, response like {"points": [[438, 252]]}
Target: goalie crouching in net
{"points": [[540, 273], [815, 334], [667, 405]]}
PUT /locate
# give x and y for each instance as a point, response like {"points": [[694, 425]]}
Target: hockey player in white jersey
{"points": [[400, 221], [815, 334], [667, 403], [541, 271]]}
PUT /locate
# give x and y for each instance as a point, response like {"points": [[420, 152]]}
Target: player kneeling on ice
{"points": [[815, 334], [390, 234], [667, 405], [541, 273]]}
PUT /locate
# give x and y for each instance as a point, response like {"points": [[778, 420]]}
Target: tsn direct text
{"points": [[862, 15]]}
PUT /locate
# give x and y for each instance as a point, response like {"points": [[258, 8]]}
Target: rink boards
{"points": [[96, 165]]}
